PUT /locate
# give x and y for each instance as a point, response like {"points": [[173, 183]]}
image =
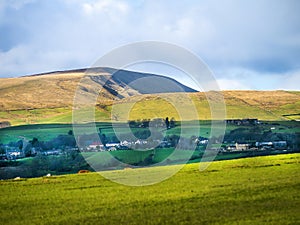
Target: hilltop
{"points": [[57, 89], [48, 97]]}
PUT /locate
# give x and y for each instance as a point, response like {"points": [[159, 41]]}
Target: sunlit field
{"points": [[261, 190]]}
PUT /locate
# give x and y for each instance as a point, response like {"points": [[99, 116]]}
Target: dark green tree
{"points": [[167, 123], [103, 139]]}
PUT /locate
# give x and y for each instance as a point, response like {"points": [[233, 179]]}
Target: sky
{"points": [[246, 44]]}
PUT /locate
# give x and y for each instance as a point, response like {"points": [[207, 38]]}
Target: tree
{"points": [[167, 123], [103, 139], [34, 142], [40, 165], [174, 139], [145, 122], [2, 149], [27, 150], [172, 122], [20, 144], [148, 160]]}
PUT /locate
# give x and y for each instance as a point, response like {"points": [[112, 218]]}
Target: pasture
{"points": [[55, 106], [46, 132], [261, 190]]}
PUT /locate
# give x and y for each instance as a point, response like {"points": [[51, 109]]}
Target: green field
{"points": [[255, 190], [46, 132], [261, 190], [45, 116]]}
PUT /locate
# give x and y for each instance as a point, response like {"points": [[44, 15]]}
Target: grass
{"points": [[46, 132], [45, 116], [23, 101], [42, 132], [261, 190], [133, 157]]}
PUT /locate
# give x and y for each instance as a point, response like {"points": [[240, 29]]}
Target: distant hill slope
{"points": [[264, 105], [48, 97], [56, 89], [143, 83]]}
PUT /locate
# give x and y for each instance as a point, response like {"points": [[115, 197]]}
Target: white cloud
{"points": [[243, 79], [111, 8], [261, 39], [231, 84], [290, 81]]}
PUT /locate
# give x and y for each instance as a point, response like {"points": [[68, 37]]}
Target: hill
{"points": [[48, 97], [264, 105], [57, 89], [260, 190]]}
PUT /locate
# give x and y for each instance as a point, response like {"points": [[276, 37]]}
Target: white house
{"points": [[95, 146]]}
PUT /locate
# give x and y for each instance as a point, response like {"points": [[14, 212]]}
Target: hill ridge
{"points": [[47, 98]]}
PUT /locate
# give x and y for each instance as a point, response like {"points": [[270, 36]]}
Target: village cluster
{"points": [[232, 142]]}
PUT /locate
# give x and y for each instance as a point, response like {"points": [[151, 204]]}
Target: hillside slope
{"points": [[264, 105], [57, 89], [269, 105], [48, 98]]}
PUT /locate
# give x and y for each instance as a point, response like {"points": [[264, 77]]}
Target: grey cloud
{"points": [[261, 36]]}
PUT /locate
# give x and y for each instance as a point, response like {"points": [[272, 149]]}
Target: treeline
{"points": [[258, 134], [157, 122], [35, 145], [40, 165]]}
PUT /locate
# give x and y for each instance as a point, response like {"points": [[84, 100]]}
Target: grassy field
{"points": [[45, 132], [261, 190], [46, 116]]}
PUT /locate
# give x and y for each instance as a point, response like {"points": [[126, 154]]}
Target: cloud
{"points": [[290, 81], [231, 84], [260, 39], [15, 4], [106, 6], [242, 79]]}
